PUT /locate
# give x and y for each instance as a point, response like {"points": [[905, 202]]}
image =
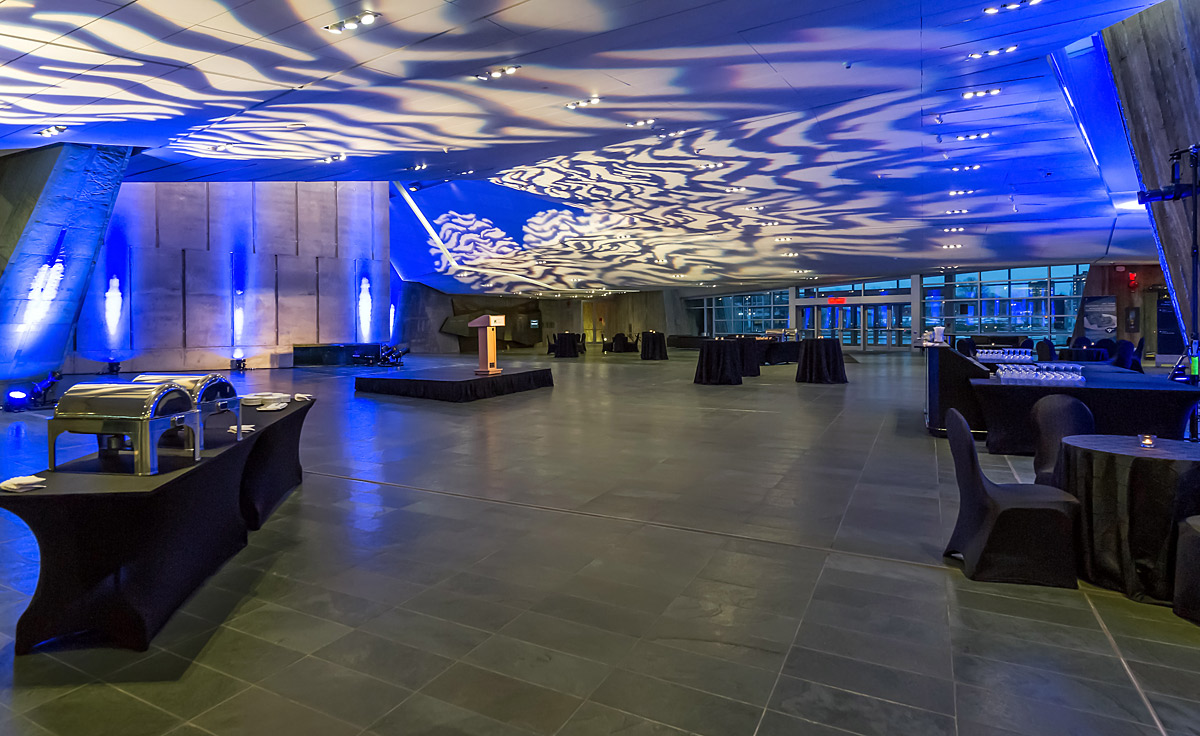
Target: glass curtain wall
{"points": [[1037, 301], [740, 314]]}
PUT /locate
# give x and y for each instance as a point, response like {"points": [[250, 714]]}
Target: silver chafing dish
{"points": [[142, 412], [212, 392]]}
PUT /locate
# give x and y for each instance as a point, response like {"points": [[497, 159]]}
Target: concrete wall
{"points": [[1155, 59], [560, 315], [194, 274]]}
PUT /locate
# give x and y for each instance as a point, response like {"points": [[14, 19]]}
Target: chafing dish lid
{"points": [[202, 386], [123, 401]]}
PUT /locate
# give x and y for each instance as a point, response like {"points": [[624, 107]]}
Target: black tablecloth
{"points": [[1123, 402], [1130, 510], [119, 553], [753, 352], [820, 361], [654, 346], [565, 345], [1082, 355], [273, 469], [782, 352], [719, 363]]}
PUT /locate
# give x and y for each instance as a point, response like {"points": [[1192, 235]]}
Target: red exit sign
{"points": [[837, 300]]}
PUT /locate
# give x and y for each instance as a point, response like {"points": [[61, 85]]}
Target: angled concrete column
{"points": [[1155, 57], [55, 205]]}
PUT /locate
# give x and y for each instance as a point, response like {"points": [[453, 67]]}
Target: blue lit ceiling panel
{"points": [[842, 120]]}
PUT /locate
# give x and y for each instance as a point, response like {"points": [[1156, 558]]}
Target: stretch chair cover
{"points": [[1054, 417], [1109, 345], [1026, 344], [1141, 347], [1009, 533], [966, 346], [1046, 351], [1187, 571], [1125, 356], [1081, 343]]}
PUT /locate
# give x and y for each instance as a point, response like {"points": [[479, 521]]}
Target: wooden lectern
{"points": [[487, 325]]}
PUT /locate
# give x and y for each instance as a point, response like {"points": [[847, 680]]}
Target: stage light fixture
{"points": [[731, 190], [333, 157], [793, 254], [952, 245], [973, 136], [957, 212], [334, 28], [783, 240], [350, 24], [961, 192], [640, 123], [368, 18], [971, 94], [992, 10], [52, 131], [965, 167], [16, 400]]}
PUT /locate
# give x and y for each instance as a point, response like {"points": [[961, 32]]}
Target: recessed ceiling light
{"points": [[951, 245], [368, 18], [349, 24], [965, 167], [957, 212], [973, 93], [52, 131], [640, 123], [496, 73], [793, 254], [953, 229], [783, 240], [961, 192], [992, 52], [973, 136], [333, 157], [730, 190]]}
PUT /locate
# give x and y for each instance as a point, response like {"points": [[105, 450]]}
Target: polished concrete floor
{"points": [[626, 553]]}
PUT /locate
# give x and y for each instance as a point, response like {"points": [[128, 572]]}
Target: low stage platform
{"points": [[453, 383]]}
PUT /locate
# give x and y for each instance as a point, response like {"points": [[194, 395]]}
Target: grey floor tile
{"points": [[1158, 653], [855, 712], [384, 659], [289, 628], [886, 683], [717, 676], [593, 719], [337, 691], [732, 643], [256, 711], [617, 594], [933, 661], [424, 716], [101, 710], [675, 705], [556, 670], [235, 653], [432, 634], [177, 685], [332, 605], [1038, 718], [775, 723], [599, 615], [763, 624], [567, 636], [463, 609], [503, 698]]}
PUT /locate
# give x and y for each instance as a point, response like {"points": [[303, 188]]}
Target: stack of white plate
{"points": [[265, 397]]}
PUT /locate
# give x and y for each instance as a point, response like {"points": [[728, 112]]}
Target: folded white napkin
{"points": [[304, 397], [246, 429], [22, 483], [277, 406]]}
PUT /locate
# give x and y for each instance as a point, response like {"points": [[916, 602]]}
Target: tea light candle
{"points": [[1147, 440]]}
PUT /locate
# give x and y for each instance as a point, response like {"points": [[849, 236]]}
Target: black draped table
{"points": [[1082, 355], [1131, 502], [654, 346], [1122, 402], [119, 553], [565, 345], [720, 363], [753, 353], [782, 352], [820, 361]]}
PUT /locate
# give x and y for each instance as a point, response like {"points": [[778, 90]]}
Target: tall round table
{"points": [[654, 346], [1131, 502], [720, 363], [565, 345], [820, 361]]}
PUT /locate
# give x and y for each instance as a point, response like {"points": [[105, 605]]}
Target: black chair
{"points": [[1009, 533], [1107, 344], [620, 343], [1026, 344], [966, 346], [1045, 350], [1186, 603], [1123, 356], [1081, 342], [1054, 417], [1141, 347]]}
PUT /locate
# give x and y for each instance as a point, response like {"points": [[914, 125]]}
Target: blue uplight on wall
{"points": [[239, 260], [364, 309]]}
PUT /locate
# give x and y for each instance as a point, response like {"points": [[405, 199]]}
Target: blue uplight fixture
{"points": [[16, 400]]}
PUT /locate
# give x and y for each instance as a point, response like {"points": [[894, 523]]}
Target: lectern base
{"points": [[453, 383], [487, 371]]}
